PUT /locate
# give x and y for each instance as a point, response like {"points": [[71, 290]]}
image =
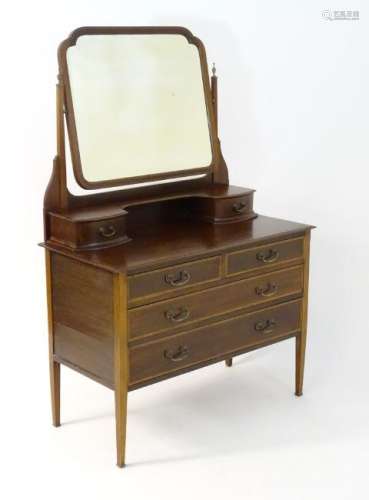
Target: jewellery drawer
{"points": [[234, 207], [263, 256], [156, 358], [81, 233], [102, 233], [227, 209], [169, 314], [172, 279]]}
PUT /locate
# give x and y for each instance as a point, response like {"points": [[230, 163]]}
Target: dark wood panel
{"points": [[170, 354], [265, 256], [83, 315], [85, 352], [172, 279], [167, 315]]}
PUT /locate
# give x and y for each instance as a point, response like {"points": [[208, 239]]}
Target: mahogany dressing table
{"points": [[173, 271]]}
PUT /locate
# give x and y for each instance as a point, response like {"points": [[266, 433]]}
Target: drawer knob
{"points": [[240, 207], [266, 326], [180, 279], [181, 353], [177, 316], [107, 232], [268, 291], [268, 258]]}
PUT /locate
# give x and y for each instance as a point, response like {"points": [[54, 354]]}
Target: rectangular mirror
{"points": [[138, 105]]}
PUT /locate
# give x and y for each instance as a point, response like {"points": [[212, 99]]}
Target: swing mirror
{"points": [[138, 105]]}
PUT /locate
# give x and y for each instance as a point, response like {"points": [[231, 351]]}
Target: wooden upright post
{"points": [[214, 95], [60, 144], [220, 171]]}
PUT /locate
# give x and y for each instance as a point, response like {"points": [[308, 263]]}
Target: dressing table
{"points": [[164, 268]]}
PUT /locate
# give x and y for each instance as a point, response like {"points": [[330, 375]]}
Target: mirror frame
{"points": [[70, 116]]}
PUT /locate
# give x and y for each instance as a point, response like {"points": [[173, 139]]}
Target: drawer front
{"points": [[157, 358], [173, 279], [169, 314], [264, 256], [234, 207], [101, 233]]}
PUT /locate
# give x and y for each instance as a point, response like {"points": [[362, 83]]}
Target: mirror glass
{"points": [[139, 106]]}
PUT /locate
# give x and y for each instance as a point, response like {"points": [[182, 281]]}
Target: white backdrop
{"points": [[294, 110]]}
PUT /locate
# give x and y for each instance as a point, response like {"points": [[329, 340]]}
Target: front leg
{"points": [[121, 423], [55, 391], [54, 366], [121, 367], [301, 337], [300, 362]]}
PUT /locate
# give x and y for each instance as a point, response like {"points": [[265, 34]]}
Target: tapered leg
{"points": [[54, 367], [121, 424], [55, 391], [229, 362], [300, 362], [121, 365], [301, 337]]}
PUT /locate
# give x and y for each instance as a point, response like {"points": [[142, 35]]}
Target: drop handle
{"points": [[107, 232], [176, 316], [179, 354], [265, 326], [240, 207], [180, 279], [267, 291], [268, 258]]}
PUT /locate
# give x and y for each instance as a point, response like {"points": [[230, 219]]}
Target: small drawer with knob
{"points": [[219, 210], [264, 256], [89, 231], [102, 234], [234, 208], [172, 280], [215, 341], [170, 315]]}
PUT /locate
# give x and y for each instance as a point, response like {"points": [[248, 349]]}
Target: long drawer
{"points": [[169, 314], [172, 353]]}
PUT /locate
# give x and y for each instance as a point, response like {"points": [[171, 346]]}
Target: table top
{"points": [[159, 245]]}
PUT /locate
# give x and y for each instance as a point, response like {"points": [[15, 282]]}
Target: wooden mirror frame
{"points": [[70, 116]]}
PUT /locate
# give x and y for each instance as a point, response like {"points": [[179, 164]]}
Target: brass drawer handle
{"points": [[182, 278], [270, 257], [266, 326], [107, 232], [268, 291], [177, 316], [240, 207], [181, 353]]}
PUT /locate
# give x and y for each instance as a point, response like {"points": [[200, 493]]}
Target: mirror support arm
{"points": [[60, 143], [214, 95], [220, 174], [57, 195]]}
